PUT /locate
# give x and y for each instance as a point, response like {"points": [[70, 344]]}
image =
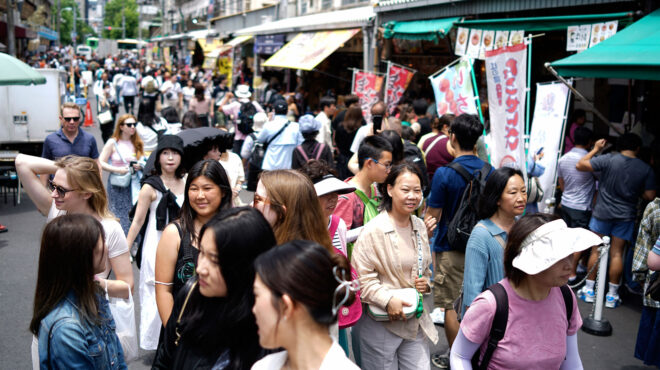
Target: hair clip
{"points": [[349, 285]]}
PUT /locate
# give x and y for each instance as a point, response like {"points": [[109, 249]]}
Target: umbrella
{"points": [[15, 72], [196, 136]]}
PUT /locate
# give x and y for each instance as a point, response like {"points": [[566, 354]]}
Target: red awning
{"points": [[20, 32]]}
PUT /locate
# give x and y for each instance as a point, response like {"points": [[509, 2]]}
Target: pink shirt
{"points": [[536, 331], [127, 152]]}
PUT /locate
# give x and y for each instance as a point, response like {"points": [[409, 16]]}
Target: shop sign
{"points": [[453, 89], [268, 44], [398, 78], [506, 73], [474, 43], [366, 85], [577, 37]]}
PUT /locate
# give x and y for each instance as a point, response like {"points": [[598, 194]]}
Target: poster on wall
{"points": [[598, 33], [367, 86], [461, 41], [577, 37], [453, 89], [516, 37], [166, 58], [398, 78], [501, 39], [487, 43], [547, 128], [226, 64], [506, 73], [474, 44]]}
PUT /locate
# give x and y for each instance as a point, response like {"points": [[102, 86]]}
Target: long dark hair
{"points": [[216, 173], [212, 324], [394, 139], [353, 119], [493, 190], [66, 263], [304, 270]]}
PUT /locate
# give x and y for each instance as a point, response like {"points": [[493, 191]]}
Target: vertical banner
{"points": [[366, 85], [547, 129], [453, 89], [506, 72], [398, 78], [226, 65], [166, 58]]}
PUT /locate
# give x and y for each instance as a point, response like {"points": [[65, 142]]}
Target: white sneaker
{"points": [[612, 300], [586, 294], [438, 316]]}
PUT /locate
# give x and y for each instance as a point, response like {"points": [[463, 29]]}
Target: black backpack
{"points": [[246, 117], [498, 327], [461, 225]]}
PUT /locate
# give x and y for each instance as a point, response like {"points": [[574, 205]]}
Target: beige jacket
{"points": [[376, 259]]}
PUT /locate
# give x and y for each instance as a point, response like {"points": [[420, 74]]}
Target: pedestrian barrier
{"points": [[595, 324]]}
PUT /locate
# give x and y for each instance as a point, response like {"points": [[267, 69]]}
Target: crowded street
{"points": [[335, 185]]}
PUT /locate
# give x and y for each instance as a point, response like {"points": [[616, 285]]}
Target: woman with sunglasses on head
{"points": [[288, 201], [393, 252], [71, 316], [123, 157], [543, 316], [77, 188], [503, 199], [161, 197], [212, 325], [207, 192], [296, 316]]}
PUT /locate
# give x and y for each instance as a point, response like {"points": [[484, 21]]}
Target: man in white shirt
{"points": [[328, 107], [172, 93]]}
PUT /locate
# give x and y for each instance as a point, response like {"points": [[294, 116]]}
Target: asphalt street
{"points": [[19, 254]]}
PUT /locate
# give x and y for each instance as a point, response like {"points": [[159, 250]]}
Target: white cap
{"points": [[551, 243], [330, 184]]}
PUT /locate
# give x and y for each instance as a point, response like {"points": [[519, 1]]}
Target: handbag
{"points": [[653, 289], [105, 117], [121, 181], [408, 295], [259, 150], [534, 190], [123, 311]]}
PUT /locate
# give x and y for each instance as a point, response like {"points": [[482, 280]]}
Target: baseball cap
{"points": [[551, 243]]}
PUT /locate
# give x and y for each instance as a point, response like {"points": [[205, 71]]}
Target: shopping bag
{"points": [[123, 311]]}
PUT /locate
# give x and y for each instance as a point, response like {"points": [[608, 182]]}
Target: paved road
{"points": [[19, 253]]}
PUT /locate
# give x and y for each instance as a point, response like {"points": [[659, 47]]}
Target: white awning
{"points": [[340, 19]]}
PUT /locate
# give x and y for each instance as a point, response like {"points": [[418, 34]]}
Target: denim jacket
{"points": [[77, 345]]}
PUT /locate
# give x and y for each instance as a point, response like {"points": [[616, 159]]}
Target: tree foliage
{"points": [[113, 18], [66, 22]]}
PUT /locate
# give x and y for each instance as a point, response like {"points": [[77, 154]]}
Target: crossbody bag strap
{"points": [[183, 308], [568, 302], [440, 136], [300, 150], [276, 135], [461, 171], [498, 327], [119, 153], [319, 149], [497, 238]]}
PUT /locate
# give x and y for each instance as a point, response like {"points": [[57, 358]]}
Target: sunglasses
{"points": [[72, 119], [128, 124], [61, 192]]}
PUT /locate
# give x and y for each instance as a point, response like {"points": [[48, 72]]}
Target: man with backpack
{"points": [[310, 148], [448, 195], [280, 137], [241, 111]]}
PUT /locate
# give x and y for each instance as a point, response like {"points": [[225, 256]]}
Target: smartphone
{"points": [[378, 122], [539, 151]]}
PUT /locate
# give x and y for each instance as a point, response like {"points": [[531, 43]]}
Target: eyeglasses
{"points": [[388, 166], [71, 119], [61, 192], [128, 124]]}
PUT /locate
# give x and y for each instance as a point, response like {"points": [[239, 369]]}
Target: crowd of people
{"points": [[349, 252]]}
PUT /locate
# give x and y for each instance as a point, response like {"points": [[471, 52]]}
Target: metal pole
{"points": [[11, 36], [595, 324], [58, 21]]}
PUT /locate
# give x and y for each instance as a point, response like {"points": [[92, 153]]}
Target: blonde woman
{"points": [[123, 154]]}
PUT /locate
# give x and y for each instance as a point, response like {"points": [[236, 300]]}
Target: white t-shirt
{"points": [[170, 93], [359, 137], [334, 359], [115, 240], [234, 168]]}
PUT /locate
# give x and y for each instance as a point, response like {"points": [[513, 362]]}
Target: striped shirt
{"points": [[579, 186], [339, 238]]}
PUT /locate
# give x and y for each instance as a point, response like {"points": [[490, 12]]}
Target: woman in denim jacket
{"points": [[71, 315]]}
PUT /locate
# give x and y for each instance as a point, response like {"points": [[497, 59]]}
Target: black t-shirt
{"points": [[344, 139], [425, 124]]}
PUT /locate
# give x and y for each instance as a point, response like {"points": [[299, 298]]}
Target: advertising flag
{"points": [[398, 78], [366, 85], [506, 73], [453, 89]]}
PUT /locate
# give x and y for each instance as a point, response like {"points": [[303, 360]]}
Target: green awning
{"points": [[633, 53], [428, 30], [556, 23]]}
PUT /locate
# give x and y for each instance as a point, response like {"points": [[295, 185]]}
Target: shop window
{"points": [[326, 4]]}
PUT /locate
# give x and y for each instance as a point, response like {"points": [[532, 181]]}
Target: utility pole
{"points": [[58, 21], [123, 24], [11, 36]]}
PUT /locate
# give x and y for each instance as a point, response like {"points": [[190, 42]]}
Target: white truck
{"points": [[107, 47], [30, 113]]}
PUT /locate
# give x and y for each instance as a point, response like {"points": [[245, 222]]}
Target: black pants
{"points": [[238, 144], [129, 103], [575, 217]]}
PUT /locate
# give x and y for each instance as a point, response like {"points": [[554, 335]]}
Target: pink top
{"points": [[536, 331], [199, 107], [232, 109], [127, 151]]}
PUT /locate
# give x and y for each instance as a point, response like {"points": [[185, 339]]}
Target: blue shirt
{"points": [[57, 145], [77, 344], [280, 151], [446, 190], [484, 260]]}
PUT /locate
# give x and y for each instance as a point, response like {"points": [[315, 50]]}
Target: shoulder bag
{"points": [[408, 295], [121, 181], [259, 150]]}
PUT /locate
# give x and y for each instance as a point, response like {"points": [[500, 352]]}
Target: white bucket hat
{"points": [[551, 243], [243, 91], [330, 184]]}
